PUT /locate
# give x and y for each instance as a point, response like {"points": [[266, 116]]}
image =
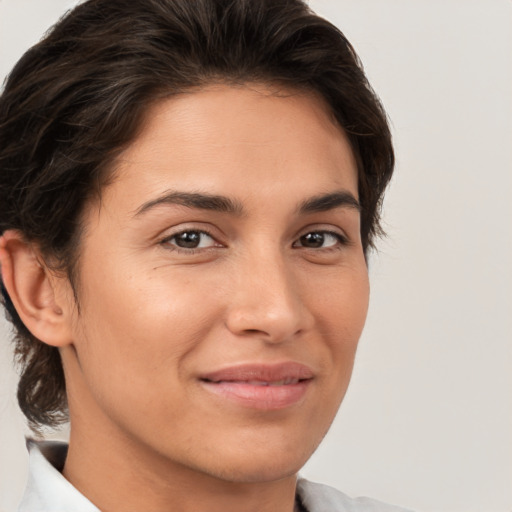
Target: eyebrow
{"points": [[330, 201], [194, 200], [204, 201]]}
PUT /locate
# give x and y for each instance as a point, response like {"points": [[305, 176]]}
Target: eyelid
{"points": [[335, 231], [341, 241], [177, 230], [200, 226]]}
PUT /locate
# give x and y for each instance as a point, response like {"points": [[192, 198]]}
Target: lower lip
{"points": [[259, 397]]}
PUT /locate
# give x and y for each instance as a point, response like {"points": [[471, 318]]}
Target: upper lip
{"points": [[260, 372]]}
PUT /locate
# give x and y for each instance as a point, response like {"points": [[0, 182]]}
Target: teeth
{"points": [[285, 382], [282, 382], [257, 383]]}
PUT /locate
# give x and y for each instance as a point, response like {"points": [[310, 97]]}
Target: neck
{"points": [[116, 475]]}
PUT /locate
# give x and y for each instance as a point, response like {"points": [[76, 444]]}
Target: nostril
{"points": [[252, 331]]}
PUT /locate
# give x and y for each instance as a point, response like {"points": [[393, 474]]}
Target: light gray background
{"points": [[427, 422]]}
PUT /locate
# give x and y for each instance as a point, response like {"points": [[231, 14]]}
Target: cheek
{"points": [[136, 331], [340, 308], [341, 303]]}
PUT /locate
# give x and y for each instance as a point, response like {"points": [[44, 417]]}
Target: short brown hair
{"points": [[77, 98]]}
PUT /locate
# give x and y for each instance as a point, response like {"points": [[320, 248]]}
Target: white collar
{"points": [[47, 490]]}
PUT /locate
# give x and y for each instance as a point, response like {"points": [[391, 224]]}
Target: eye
{"points": [[319, 240], [191, 239]]}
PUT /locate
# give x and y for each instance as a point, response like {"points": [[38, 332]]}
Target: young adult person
{"points": [[188, 193]]}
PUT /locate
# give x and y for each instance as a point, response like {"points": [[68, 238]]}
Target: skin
{"points": [[154, 317]]}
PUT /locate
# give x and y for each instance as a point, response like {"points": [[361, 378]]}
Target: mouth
{"points": [[262, 387], [282, 382]]}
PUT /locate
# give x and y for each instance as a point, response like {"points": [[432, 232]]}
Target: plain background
{"points": [[427, 422]]}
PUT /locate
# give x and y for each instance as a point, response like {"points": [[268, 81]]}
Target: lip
{"points": [[260, 386]]}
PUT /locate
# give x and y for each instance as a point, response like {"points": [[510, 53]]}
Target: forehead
{"points": [[237, 140]]}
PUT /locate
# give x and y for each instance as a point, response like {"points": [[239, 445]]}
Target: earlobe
{"points": [[35, 291]]}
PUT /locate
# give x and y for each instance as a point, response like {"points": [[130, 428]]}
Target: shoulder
{"points": [[322, 498]]}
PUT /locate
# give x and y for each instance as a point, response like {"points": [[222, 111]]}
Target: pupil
{"points": [[312, 240], [188, 239]]}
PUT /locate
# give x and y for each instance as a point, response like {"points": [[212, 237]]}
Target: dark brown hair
{"points": [[77, 98]]}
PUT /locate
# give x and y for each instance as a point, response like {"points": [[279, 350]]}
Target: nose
{"points": [[267, 301]]}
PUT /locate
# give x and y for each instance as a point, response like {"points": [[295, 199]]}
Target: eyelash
{"points": [[341, 239], [166, 242]]}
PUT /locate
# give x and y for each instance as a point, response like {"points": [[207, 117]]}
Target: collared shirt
{"points": [[48, 491]]}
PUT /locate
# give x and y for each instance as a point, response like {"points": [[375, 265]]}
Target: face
{"points": [[223, 286]]}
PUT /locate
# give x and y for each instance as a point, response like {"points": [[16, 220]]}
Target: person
{"points": [[188, 195]]}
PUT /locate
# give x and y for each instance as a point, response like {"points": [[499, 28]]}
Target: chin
{"points": [[250, 472], [251, 463]]}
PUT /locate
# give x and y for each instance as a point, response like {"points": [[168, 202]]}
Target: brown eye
{"points": [[191, 240], [319, 240], [312, 240]]}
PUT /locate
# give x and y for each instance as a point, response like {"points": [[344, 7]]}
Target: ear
{"points": [[39, 295]]}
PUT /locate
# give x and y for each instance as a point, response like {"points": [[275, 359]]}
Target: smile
{"points": [[282, 382], [260, 387]]}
